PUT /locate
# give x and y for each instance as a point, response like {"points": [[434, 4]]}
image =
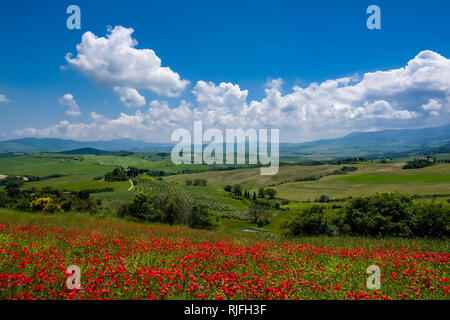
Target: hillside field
{"points": [[369, 178]]}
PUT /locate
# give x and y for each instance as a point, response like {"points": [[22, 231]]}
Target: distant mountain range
{"points": [[374, 143], [59, 145], [402, 137], [354, 144]]}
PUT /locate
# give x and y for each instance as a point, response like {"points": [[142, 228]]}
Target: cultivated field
{"points": [[372, 178], [252, 177], [368, 179]]}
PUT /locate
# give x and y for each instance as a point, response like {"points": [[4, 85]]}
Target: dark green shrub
{"points": [[417, 163], [344, 170], [118, 174], [263, 221], [66, 205], [323, 198], [3, 199], [155, 207], [12, 186], [309, 222], [198, 218], [383, 214], [261, 192], [271, 193], [200, 182], [431, 219]]}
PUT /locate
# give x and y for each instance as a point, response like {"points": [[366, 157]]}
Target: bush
{"points": [[118, 174], [228, 188], [262, 221], [23, 203], [83, 195], [344, 170], [200, 182], [52, 208], [36, 200], [417, 163], [12, 186], [40, 203], [270, 192], [85, 205], [323, 198], [261, 192], [3, 199], [66, 205], [431, 219], [310, 222], [383, 214], [154, 207], [199, 218]]}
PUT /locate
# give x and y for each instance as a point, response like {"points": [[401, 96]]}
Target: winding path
{"points": [[132, 185]]}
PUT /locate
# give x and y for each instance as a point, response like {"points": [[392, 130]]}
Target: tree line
{"points": [[379, 215]]}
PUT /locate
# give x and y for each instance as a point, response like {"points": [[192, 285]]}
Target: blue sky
{"points": [[260, 48]]}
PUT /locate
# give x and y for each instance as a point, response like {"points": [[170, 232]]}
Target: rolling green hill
{"points": [[370, 177], [386, 143]]}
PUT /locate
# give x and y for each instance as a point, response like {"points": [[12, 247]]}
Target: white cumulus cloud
{"points": [[114, 61], [68, 100], [406, 97], [433, 106], [130, 97]]}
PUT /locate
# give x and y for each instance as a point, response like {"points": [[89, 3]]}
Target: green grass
{"points": [[219, 194], [252, 178], [47, 164], [78, 183], [111, 201], [397, 178], [92, 165], [369, 179]]}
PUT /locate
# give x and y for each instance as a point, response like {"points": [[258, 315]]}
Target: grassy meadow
{"points": [[255, 261], [369, 178]]}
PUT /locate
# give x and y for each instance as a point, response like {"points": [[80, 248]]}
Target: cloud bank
{"points": [[416, 95]]}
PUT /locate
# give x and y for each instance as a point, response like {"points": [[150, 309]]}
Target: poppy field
{"points": [[126, 260]]}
